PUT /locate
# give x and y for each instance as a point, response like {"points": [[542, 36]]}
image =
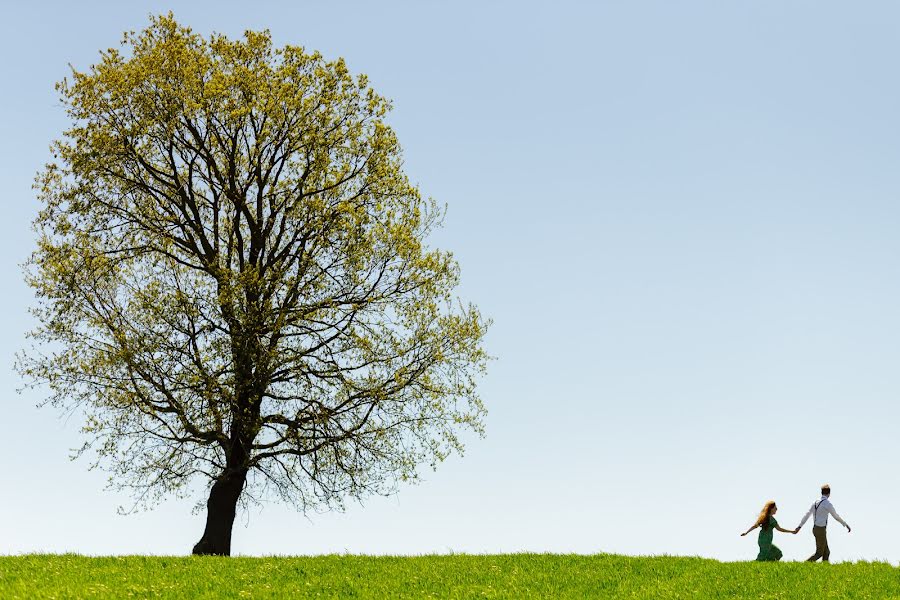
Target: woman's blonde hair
{"points": [[765, 513]]}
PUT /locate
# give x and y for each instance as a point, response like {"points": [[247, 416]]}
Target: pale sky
{"points": [[683, 218]]}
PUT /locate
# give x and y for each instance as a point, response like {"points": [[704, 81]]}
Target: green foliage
{"points": [[233, 276], [459, 576]]}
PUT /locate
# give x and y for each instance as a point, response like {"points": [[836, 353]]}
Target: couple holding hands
{"points": [[819, 511]]}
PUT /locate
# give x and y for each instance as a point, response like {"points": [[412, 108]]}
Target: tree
{"points": [[233, 282]]}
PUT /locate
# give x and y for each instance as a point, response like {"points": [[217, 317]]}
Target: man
{"points": [[820, 511]]}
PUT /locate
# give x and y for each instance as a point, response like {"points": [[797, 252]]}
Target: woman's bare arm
{"points": [[780, 528]]}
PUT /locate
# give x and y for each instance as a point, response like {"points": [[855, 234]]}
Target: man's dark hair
{"points": [[826, 489]]}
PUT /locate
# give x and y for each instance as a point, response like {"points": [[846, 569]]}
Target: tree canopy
{"points": [[233, 281]]}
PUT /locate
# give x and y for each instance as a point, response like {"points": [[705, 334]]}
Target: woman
{"points": [[767, 524]]}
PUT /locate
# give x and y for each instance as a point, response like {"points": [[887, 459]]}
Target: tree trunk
{"points": [[220, 511]]}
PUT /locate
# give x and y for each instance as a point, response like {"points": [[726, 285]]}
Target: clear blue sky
{"points": [[683, 217]]}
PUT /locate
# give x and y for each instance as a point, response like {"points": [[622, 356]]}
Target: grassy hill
{"points": [[454, 576]]}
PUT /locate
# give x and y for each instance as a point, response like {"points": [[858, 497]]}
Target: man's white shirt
{"points": [[820, 511]]}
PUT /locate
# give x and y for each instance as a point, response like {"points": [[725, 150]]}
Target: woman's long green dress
{"points": [[768, 550]]}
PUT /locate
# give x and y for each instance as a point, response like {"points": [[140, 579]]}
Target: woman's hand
{"points": [[743, 534]]}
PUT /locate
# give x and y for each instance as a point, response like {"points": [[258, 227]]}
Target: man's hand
{"points": [[848, 529], [796, 530]]}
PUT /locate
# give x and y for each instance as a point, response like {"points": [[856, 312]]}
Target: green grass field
{"points": [[453, 576]]}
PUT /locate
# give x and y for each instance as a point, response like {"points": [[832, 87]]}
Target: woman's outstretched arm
{"points": [[749, 530], [780, 528]]}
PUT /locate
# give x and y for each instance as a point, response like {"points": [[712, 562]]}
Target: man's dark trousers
{"points": [[821, 545]]}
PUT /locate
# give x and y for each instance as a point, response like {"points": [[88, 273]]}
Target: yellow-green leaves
{"points": [[233, 271]]}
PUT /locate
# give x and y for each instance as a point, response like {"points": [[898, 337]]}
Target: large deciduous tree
{"points": [[233, 280]]}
